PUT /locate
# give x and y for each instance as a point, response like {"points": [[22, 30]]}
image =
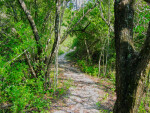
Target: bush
{"points": [[21, 92]]}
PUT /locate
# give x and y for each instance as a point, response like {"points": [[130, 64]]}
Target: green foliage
{"points": [[145, 103], [141, 21], [102, 110], [92, 70], [23, 93], [142, 108], [61, 52], [18, 86], [66, 45]]}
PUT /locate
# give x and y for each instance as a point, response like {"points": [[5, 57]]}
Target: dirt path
{"points": [[85, 96]]}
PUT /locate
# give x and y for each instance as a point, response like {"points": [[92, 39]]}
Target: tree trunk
{"points": [[56, 67], [99, 65], [87, 50], [36, 13], [131, 68], [57, 36], [33, 26], [30, 66]]}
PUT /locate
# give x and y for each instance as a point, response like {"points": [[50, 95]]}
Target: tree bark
{"points": [[131, 68], [36, 36], [99, 65], [30, 66], [57, 36], [36, 12], [33, 26], [87, 50]]}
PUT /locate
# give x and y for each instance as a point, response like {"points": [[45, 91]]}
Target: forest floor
{"points": [[87, 94]]}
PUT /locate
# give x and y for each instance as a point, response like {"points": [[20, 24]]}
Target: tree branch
{"points": [[57, 36], [71, 29], [102, 16], [83, 30], [30, 66], [32, 24], [45, 20], [15, 58]]}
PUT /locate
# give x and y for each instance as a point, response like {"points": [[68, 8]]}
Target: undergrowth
{"points": [[91, 68], [19, 92]]}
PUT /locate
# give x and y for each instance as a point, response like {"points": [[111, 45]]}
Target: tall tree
{"points": [[131, 67], [57, 36]]}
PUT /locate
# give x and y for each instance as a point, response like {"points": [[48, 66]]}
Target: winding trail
{"points": [[85, 94]]}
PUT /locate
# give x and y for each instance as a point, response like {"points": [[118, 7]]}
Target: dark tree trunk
{"points": [[130, 66], [56, 41], [36, 11]]}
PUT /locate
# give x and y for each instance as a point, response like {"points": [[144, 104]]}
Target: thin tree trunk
{"points": [[57, 36], [107, 51], [48, 41], [36, 12], [59, 33], [30, 66], [103, 18], [103, 61], [51, 32], [106, 57], [56, 66], [59, 29], [83, 7], [87, 50], [99, 65]]}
